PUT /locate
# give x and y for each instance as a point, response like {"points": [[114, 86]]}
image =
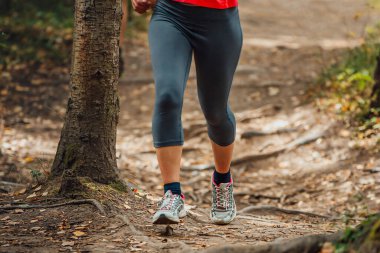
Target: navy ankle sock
{"points": [[175, 187], [222, 177]]}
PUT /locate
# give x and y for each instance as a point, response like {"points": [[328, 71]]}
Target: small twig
{"points": [[72, 202], [252, 209]]}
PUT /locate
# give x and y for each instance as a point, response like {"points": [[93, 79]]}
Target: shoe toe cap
{"points": [[222, 216]]}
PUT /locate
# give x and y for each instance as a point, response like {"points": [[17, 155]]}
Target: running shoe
{"points": [[223, 207], [170, 209]]}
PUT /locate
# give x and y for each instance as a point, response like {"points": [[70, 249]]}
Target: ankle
{"points": [[222, 177], [174, 187]]}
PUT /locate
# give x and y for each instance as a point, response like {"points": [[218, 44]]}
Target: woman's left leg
{"points": [[216, 57]]}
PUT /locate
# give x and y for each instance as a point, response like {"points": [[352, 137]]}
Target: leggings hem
{"points": [[167, 143]]}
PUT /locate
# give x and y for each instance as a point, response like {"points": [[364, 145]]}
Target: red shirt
{"points": [[217, 4]]}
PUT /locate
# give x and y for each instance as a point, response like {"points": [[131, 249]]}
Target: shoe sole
{"points": [[163, 219], [222, 222]]}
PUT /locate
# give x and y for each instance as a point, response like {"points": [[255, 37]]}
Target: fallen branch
{"points": [[265, 222], [256, 195], [73, 202], [303, 140], [263, 111], [309, 243], [11, 184], [253, 209], [255, 133]]}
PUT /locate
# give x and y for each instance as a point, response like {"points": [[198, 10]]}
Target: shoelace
{"points": [[168, 206], [222, 198]]}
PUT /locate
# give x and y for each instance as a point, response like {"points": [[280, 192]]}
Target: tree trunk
{"points": [[375, 95], [5, 6], [88, 137]]}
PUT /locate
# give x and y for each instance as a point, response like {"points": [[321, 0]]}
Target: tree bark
{"points": [[375, 95], [88, 138]]}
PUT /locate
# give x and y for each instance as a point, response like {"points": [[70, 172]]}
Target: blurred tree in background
{"points": [[36, 31]]}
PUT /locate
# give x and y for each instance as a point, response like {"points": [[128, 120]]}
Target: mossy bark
{"points": [[88, 138]]}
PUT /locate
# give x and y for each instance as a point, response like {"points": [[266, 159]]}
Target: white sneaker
{"points": [[223, 207], [171, 209]]}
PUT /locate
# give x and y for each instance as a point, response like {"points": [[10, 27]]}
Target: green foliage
{"points": [[118, 185], [347, 85], [36, 175], [35, 31], [363, 235], [138, 23]]}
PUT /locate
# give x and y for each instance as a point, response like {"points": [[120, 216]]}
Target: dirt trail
{"points": [[322, 171]]}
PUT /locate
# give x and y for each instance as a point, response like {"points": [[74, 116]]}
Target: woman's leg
{"points": [[169, 161], [222, 157], [216, 60], [171, 58], [216, 57]]}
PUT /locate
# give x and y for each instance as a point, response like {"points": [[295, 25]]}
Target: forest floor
{"points": [[289, 154]]}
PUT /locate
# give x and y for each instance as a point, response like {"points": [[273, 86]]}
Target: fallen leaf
{"points": [[33, 195], [18, 211], [13, 223], [68, 243], [79, 233], [38, 188], [28, 159]]}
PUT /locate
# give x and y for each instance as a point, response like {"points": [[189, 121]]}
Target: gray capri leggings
{"points": [[215, 36]]}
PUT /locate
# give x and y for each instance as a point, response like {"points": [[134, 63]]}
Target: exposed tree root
{"points": [[72, 202], [303, 140], [154, 244], [254, 133], [304, 244], [256, 195], [253, 209]]}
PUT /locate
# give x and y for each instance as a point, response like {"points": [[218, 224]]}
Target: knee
{"points": [[167, 102], [215, 118], [168, 98]]}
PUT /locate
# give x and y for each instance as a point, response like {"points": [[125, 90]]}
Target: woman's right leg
{"points": [[171, 55]]}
